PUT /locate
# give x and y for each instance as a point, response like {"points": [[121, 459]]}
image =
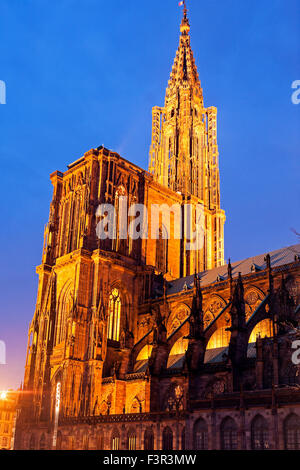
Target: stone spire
{"points": [[196, 317], [238, 315], [185, 21], [238, 346], [196, 340], [184, 68], [184, 152]]}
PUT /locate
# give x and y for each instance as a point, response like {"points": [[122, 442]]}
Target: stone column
{"points": [[189, 444], [158, 443], [213, 441]]}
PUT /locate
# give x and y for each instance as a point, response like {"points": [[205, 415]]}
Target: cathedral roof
{"points": [[247, 266]]}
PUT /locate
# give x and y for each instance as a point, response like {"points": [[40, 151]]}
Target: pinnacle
{"points": [[184, 68], [185, 25]]}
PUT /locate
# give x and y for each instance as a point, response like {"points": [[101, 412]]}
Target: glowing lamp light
{"points": [[3, 395]]}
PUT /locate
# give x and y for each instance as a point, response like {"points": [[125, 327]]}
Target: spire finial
{"points": [[185, 25]]}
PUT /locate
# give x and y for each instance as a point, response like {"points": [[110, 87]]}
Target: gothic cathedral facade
{"points": [[128, 348]]}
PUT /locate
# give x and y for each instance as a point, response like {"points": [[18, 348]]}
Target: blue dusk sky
{"points": [[82, 73]]}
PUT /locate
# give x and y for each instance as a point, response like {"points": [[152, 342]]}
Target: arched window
{"points": [[200, 435], [228, 434], [45, 329], [292, 432], [136, 406], [59, 441], [71, 443], [167, 439], [264, 329], [32, 442], [259, 433], [162, 251], [120, 242], [104, 408], [65, 307], [100, 441], [148, 439], [131, 438], [180, 347], [208, 319], [43, 442], [183, 439], [86, 442], [145, 353], [115, 440], [219, 339], [114, 311], [75, 217]]}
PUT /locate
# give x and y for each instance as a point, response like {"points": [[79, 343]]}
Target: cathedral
{"points": [[141, 343]]}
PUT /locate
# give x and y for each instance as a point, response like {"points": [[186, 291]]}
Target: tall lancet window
{"points": [[114, 309], [120, 242], [162, 250], [65, 309]]}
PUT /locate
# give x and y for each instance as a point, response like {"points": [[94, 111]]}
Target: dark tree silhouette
{"points": [[296, 233]]}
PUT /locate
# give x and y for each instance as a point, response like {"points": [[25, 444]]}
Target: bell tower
{"points": [[184, 151]]}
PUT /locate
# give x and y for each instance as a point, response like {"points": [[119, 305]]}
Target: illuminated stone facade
{"points": [[8, 414], [127, 349], [184, 151]]}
